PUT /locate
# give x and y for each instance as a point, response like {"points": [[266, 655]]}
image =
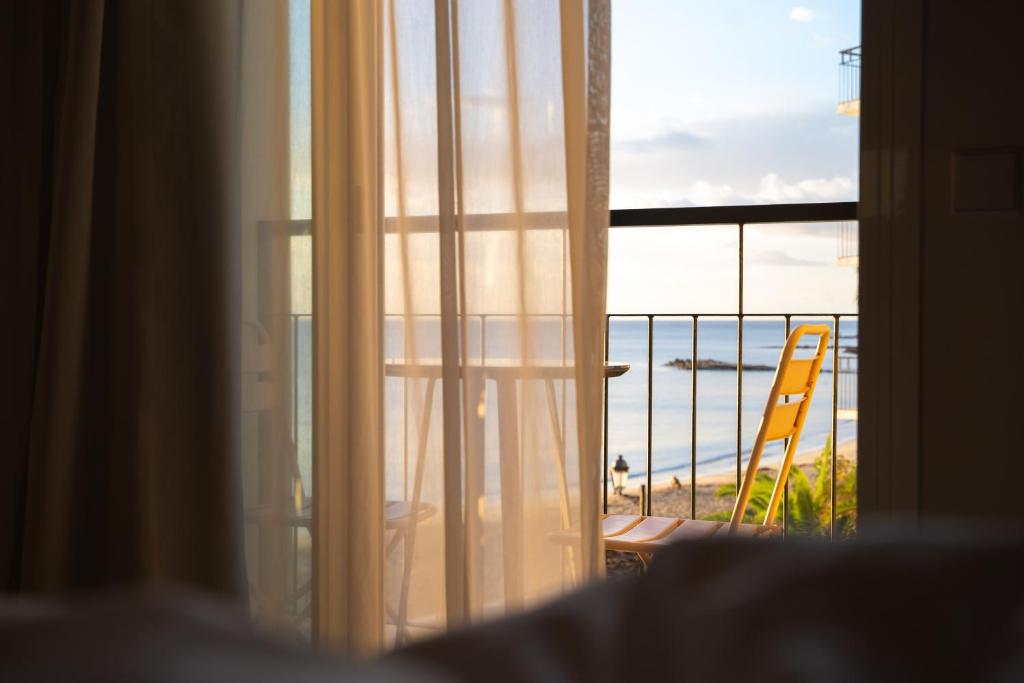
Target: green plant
{"points": [[809, 507]]}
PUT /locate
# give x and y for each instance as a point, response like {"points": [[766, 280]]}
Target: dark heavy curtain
{"points": [[120, 324]]}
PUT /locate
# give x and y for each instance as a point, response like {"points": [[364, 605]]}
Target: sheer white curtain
{"points": [[310, 150], [428, 334], [495, 205], [348, 257], [276, 309]]}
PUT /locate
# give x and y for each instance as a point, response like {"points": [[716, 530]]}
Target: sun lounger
{"points": [[795, 379]]}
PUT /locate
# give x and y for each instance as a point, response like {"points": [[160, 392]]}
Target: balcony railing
{"points": [[842, 400], [843, 389], [843, 395], [842, 355]]}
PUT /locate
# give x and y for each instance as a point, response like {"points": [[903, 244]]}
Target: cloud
{"points": [[738, 154], [666, 142], [774, 189], [703, 193], [781, 258], [801, 14]]}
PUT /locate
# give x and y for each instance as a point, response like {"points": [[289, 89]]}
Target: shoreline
{"points": [[671, 500], [801, 459]]}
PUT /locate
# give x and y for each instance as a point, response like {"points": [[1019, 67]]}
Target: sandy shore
{"points": [[669, 500]]}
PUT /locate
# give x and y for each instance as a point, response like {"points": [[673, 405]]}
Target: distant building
{"points": [[849, 81], [848, 234]]}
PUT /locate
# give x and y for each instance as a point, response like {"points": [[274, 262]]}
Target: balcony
{"points": [[688, 432], [849, 82], [848, 244], [688, 443]]}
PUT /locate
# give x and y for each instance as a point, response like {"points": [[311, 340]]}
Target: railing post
{"points": [[785, 490], [483, 338], [295, 443], [835, 427], [650, 408], [693, 420], [739, 370], [604, 448]]}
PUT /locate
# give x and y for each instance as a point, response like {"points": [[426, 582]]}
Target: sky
{"points": [[722, 103], [730, 102], [713, 102]]}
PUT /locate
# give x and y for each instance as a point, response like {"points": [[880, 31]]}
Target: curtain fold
{"points": [[129, 473], [586, 44], [347, 242]]}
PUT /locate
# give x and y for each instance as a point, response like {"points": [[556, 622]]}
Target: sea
{"points": [[671, 404], [670, 435]]}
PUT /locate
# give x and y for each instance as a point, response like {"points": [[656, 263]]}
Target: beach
{"points": [[669, 500]]}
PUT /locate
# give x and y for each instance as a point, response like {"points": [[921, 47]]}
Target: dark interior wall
{"points": [[29, 55], [972, 260], [118, 245]]}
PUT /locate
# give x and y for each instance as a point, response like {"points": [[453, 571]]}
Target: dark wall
{"points": [[29, 54], [972, 260]]}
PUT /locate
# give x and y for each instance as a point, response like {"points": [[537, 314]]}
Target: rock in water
{"points": [[712, 364]]}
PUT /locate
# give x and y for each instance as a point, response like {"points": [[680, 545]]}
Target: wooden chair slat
{"points": [[650, 529], [797, 376], [613, 525], [783, 421]]}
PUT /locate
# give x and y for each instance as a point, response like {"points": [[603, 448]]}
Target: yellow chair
{"points": [[795, 378]]}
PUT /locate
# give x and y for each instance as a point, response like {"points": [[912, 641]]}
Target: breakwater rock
{"points": [[712, 364]]}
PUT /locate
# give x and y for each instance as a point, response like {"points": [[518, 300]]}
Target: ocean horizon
{"points": [[716, 394], [627, 395]]}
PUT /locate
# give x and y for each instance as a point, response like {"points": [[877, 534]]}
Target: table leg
{"points": [[556, 438], [476, 400], [409, 542], [563, 484], [511, 496]]}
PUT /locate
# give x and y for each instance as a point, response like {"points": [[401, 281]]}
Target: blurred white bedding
{"points": [[910, 608]]}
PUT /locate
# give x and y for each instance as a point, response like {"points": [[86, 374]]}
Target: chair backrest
{"points": [[794, 378]]}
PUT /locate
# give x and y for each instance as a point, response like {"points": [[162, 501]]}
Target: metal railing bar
{"points": [[785, 490], [835, 428], [607, 344], [820, 212], [733, 315], [646, 505], [616, 314], [295, 379], [739, 366], [405, 439], [650, 318], [295, 441], [693, 421], [677, 216], [650, 409]]}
